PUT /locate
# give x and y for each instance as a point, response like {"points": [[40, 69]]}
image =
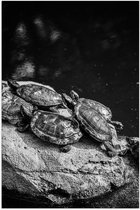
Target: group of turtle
{"points": [[57, 118]]}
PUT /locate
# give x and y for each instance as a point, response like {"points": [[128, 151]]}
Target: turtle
{"points": [[36, 94], [11, 105], [94, 121], [99, 107], [51, 127]]}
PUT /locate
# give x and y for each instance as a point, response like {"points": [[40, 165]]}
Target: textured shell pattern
{"points": [[102, 109], [93, 122], [55, 128], [39, 95], [66, 112], [11, 107]]}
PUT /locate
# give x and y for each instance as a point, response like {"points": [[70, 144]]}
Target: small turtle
{"points": [[102, 109], [38, 95], [93, 121], [11, 107], [52, 127]]}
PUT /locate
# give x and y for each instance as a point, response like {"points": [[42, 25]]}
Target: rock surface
{"points": [[39, 169]]}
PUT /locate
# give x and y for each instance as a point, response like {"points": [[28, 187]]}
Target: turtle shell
{"points": [[55, 128], [39, 95], [102, 109], [93, 122], [11, 105], [66, 112]]}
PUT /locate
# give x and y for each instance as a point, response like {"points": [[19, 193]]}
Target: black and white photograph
{"points": [[70, 104]]}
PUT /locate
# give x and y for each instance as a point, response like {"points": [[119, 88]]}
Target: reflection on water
{"points": [[46, 30], [21, 38], [95, 55], [24, 70], [40, 28]]}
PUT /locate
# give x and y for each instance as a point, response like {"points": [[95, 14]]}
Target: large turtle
{"points": [[102, 109], [11, 105], [51, 127], [96, 120], [38, 95]]}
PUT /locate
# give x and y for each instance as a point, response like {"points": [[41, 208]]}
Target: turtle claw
{"points": [[22, 128], [112, 153], [117, 124], [116, 153], [65, 149]]}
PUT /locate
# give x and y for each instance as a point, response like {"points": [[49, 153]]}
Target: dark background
{"points": [[97, 53]]}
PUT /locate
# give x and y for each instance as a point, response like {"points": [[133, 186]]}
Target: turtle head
{"points": [[13, 84], [27, 111], [74, 95], [67, 100]]}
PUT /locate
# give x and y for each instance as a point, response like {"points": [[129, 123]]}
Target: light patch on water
{"points": [[27, 69], [38, 21], [40, 27], [21, 36], [17, 56], [43, 71], [57, 73], [55, 35], [21, 30]]}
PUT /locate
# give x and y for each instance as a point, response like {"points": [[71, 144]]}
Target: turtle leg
{"points": [[117, 124], [65, 148], [110, 149], [22, 127]]}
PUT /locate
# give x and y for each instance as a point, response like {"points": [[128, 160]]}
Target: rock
{"points": [[38, 169], [134, 146]]}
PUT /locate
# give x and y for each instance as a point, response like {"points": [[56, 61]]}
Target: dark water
{"points": [[91, 47]]}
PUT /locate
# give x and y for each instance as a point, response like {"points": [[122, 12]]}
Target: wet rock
{"points": [[134, 146], [38, 169]]}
